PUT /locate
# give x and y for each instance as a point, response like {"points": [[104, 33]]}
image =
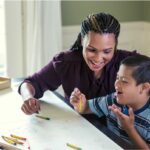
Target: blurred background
{"points": [[32, 32]]}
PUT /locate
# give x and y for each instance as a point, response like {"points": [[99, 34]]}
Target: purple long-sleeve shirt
{"points": [[70, 70]]}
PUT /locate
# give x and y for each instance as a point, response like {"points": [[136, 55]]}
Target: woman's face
{"points": [[98, 50]]}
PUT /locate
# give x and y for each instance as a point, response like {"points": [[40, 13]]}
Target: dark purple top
{"points": [[70, 70]]}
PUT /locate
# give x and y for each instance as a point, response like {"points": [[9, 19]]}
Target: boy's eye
{"points": [[124, 80], [117, 78]]}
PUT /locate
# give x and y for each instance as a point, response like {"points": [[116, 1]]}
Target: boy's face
{"points": [[127, 92]]}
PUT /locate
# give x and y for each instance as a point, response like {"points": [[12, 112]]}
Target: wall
{"points": [[134, 17], [147, 11], [73, 12]]}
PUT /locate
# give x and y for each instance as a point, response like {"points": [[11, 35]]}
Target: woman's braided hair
{"points": [[99, 23]]}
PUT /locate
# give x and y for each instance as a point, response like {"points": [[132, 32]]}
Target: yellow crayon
{"points": [[14, 140], [9, 141], [73, 146], [17, 137], [80, 104], [42, 117]]}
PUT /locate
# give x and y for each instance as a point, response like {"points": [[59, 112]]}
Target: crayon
{"points": [[14, 140], [17, 137], [80, 104], [9, 141], [73, 146], [42, 117], [37, 112]]}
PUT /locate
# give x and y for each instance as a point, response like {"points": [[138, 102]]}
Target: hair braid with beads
{"points": [[100, 23]]}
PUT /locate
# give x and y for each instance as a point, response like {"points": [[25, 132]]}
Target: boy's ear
{"points": [[145, 87]]}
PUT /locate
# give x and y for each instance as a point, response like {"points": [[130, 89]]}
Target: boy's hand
{"points": [[127, 122], [30, 106], [78, 100]]}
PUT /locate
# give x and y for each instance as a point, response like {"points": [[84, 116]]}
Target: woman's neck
{"points": [[98, 74]]}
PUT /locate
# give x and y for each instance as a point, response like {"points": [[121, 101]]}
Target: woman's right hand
{"points": [[78, 100], [30, 106]]}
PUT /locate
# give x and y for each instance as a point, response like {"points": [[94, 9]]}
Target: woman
{"points": [[90, 65]]}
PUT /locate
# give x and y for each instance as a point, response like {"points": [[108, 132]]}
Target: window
{"points": [[2, 40]]}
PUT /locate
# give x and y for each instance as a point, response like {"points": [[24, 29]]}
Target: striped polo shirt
{"points": [[99, 106]]}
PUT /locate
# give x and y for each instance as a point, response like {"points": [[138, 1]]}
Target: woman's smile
{"points": [[96, 65]]}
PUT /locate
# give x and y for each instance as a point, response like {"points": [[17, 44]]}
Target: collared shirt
{"points": [[99, 106]]}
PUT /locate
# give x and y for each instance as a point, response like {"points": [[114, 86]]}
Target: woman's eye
{"points": [[91, 50]]}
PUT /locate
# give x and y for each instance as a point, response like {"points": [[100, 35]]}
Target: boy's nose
{"points": [[117, 84]]}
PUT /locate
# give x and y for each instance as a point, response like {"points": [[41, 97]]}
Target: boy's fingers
{"points": [[131, 113], [76, 90], [73, 99], [116, 111]]}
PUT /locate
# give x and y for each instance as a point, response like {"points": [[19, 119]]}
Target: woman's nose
{"points": [[98, 56]]}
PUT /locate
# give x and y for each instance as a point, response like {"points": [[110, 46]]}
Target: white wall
{"points": [[133, 36]]}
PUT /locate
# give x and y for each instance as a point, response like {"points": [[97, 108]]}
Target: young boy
{"points": [[128, 109]]}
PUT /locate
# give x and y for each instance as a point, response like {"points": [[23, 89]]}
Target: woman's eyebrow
{"points": [[92, 47], [97, 49]]}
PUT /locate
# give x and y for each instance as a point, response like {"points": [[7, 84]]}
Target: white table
{"points": [[65, 125]]}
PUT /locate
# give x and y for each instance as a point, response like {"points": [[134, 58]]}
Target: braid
{"points": [[99, 23], [77, 44]]}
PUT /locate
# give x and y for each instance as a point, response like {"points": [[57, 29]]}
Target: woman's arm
{"points": [[27, 91], [30, 104]]}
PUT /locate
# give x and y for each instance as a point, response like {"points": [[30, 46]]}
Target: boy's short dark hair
{"points": [[141, 67]]}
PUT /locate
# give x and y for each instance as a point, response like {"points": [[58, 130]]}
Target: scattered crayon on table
{"points": [[18, 137], [14, 140], [73, 146], [42, 117], [8, 141]]}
